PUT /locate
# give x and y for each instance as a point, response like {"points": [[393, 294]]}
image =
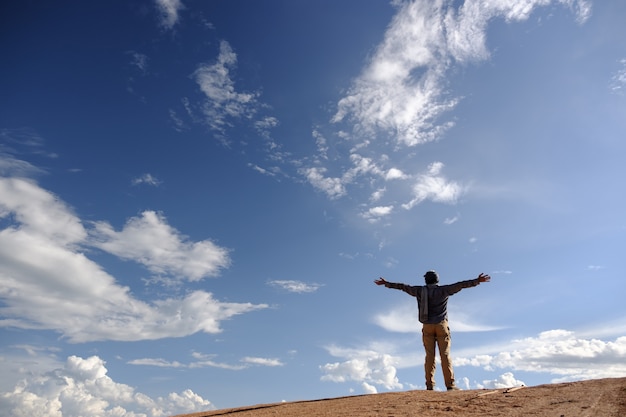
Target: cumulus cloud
{"points": [[374, 214], [295, 286], [367, 367], [81, 387], [332, 186], [560, 353], [48, 282], [506, 380], [149, 240]]}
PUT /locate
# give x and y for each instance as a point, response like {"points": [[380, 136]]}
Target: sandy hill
{"points": [[594, 398]]}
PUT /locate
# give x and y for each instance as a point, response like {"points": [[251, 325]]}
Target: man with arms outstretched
{"points": [[432, 303]]}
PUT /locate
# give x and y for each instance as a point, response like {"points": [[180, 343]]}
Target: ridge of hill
{"points": [[597, 398]]}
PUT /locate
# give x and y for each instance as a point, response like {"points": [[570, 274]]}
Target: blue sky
{"points": [[196, 197]]}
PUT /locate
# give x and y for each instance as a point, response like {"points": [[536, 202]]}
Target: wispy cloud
{"points": [[169, 12], [618, 80], [401, 99], [223, 102], [295, 286], [147, 179], [262, 361], [207, 361], [139, 61]]}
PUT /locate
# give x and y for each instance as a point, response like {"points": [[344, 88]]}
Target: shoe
{"points": [[454, 388], [429, 388]]}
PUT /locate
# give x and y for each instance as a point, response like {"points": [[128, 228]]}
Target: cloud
{"points": [[295, 286], [149, 240], [81, 387], [223, 102], [402, 89], [560, 353], [401, 99], [368, 367], [262, 361], [48, 282], [618, 80], [404, 319], [506, 380], [148, 179], [139, 61], [333, 187], [433, 186], [169, 10], [204, 361], [374, 214]]}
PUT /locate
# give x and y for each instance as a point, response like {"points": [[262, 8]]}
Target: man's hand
{"points": [[380, 281], [484, 278]]}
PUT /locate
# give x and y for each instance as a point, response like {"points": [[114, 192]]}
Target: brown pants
{"points": [[440, 334]]}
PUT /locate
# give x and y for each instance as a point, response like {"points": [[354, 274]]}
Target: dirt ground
{"points": [[594, 398]]}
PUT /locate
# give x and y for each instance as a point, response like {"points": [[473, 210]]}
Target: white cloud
{"points": [[148, 179], [404, 319], [388, 95], [139, 61], [332, 186], [47, 282], [158, 362], [450, 220], [402, 89], [374, 214], [368, 367], [395, 174], [149, 240], [506, 380], [433, 186], [223, 102], [81, 387], [401, 98], [295, 286], [169, 10], [377, 195], [618, 81], [560, 353], [204, 361], [262, 361]]}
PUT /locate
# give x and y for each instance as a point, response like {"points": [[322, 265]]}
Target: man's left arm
{"points": [[454, 288]]}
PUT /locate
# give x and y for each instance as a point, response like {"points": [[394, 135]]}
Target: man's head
{"points": [[431, 277]]}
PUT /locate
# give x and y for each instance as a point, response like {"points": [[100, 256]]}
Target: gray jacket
{"points": [[436, 309]]}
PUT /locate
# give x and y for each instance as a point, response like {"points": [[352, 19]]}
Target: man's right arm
{"points": [[397, 286]]}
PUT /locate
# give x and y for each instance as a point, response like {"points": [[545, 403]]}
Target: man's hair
{"points": [[431, 277]]}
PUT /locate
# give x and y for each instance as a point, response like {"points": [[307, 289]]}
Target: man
{"points": [[432, 302]]}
